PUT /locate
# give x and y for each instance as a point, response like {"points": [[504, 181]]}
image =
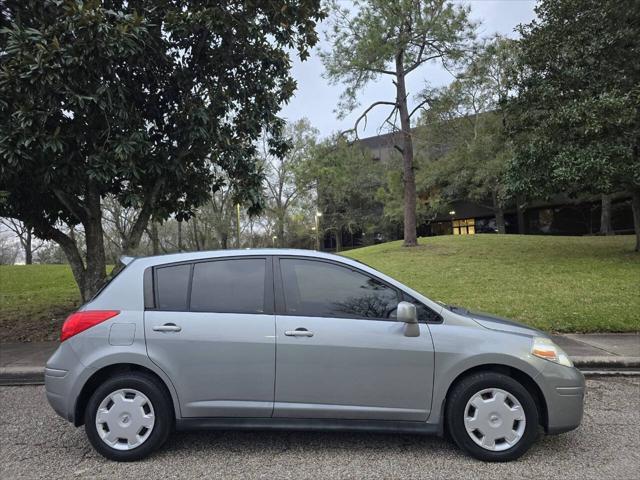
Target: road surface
{"points": [[35, 443]]}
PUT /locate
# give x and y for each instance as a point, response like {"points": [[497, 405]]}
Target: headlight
{"points": [[545, 348]]}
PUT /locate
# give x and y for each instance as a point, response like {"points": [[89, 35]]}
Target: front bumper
{"points": [[564, 390]]}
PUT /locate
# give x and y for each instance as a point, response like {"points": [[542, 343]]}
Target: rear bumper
{"points": [[63, 377], [56, 386]]}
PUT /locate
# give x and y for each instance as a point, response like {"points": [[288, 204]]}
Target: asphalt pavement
{"points": [[35, 443]]}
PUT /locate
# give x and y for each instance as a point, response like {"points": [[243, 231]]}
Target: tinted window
{"points": [[172, 284], [323, 289], [233, 286]]}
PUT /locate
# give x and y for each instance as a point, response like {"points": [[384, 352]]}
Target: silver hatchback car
{"points": [[294, 339]]}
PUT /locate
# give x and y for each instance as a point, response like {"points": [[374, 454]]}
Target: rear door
{"points": [[211, 329], [341, 354]]}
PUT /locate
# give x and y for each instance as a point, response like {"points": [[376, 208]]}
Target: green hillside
{"points": [[560, 284]]}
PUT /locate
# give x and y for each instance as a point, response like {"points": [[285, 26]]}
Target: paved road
{"points": [[34, 443]]}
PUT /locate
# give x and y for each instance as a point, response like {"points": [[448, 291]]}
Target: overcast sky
{"points": [[317, 100]]}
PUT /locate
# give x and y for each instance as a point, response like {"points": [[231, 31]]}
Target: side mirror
{"points": [[407, 313]]}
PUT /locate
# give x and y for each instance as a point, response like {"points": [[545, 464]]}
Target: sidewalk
{"points": [[602, 351], [23, 363]]}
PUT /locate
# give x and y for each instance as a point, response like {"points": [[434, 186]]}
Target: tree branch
{"points": [[419, 106], [387, 120], [77, 210], [364, 115], [135, 235]]}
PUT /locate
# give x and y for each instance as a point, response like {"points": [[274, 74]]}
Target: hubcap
{"points": [[125, 419], [494, 419]]}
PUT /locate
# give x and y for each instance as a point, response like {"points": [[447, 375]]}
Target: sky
{"points": [[316, 99]]}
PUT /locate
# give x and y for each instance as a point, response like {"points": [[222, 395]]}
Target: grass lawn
{"points": [[558, 284], [34, 300]]}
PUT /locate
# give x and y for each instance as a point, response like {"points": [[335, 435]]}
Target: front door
{"points": [[340, 353], [212, 332]]}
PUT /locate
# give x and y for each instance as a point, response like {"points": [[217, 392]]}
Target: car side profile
{"points": [[296, 339]]}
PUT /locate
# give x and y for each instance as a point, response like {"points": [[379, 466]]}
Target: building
{"points": [[557, 215]]}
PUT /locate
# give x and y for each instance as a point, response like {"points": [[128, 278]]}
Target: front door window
{"points": [[322, 289]]}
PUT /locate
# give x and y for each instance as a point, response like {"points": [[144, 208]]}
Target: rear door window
{"points": [[172, 286], [229, 286]]}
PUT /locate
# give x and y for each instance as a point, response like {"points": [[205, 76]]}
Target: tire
{"points": [[147, 405], [487, 390]]}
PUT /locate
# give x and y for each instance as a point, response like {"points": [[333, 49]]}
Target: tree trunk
{"points": [[635, 205], [179, 235], [135, 235], [499, 213], [280, 230], [338, 239], [28, 252], [520, 212], [410, 231], [196, 239], [155, 238], [91, 273], [605, 216], [95, 271]]}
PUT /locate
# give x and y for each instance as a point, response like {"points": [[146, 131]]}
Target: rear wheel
{"points": [[128, 417], [492, 417]]}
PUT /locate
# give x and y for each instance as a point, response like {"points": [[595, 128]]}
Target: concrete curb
{"points": [[21, 376], [590, 366], [606, 362]]}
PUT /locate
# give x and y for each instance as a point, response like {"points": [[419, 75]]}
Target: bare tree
{"points": [[25, 237], [283, 175]]}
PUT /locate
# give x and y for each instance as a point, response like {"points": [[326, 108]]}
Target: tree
{"points": [[382, 38], [138, 100], [284, 176], [25, 237], [346, 178], [467, 120], [9, 249], [575, 120]]}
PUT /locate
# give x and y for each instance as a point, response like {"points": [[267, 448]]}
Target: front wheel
{"points": [[492, 417], [128, 417]]}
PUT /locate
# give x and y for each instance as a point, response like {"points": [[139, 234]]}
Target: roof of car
{"points": [[200, 255]]}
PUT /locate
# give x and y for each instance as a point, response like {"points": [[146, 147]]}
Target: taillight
{"points": [[80, 321]]}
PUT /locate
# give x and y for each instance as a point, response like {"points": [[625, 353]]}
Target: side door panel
{"points": [[345, 367], [352, 369], [222, 364]]}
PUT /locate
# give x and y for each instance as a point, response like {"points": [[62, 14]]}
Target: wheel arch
{"points": [[99, 376], [520, 376]]}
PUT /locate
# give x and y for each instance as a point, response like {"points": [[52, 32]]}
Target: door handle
{"points": [[167, 327], [298, 332]]}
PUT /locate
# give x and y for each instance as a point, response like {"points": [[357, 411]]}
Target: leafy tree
{"points": [[382, 38], [576, 118], [467, 121], [138, 99], [346, 179]]}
